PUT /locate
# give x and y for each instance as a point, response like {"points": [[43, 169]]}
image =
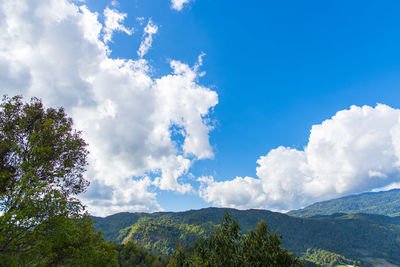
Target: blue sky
{"points": [[278, 68]]}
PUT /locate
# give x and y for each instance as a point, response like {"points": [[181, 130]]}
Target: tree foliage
{"points": [[228, 247], [326, 258], [354, 236], [262, 248], [132, 254], [159, 235], [42, 161]]}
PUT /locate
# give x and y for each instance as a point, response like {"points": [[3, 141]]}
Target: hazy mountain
{"points": [[384, 203]]}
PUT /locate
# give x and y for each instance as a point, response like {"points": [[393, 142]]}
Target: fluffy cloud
{"points": [[178, 4], [357, 150], [56, 50], [237, 193]]}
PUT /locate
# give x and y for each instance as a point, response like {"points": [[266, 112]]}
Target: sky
{"points": [[188, 104]]}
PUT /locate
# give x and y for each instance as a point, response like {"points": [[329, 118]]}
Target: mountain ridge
{"points": [[355, 236], [383, 202]]}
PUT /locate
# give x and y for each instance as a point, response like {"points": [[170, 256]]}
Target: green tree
{"points": [[224, 247], [179, 258], [42, 161], [71, 242], [228, 247], [132, 254], [262, 248]]}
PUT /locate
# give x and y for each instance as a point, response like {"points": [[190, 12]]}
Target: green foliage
{"points": [[262, 248], [179, 258], [42, 160], [355, 236], [223, 248], [383, 203], [228, 247], [71, 242], [326, 258], [114, 223], [132, 254], [159, 235]]}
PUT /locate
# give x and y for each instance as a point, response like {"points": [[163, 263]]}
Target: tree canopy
{"points": [[42, 161], [228, 247]]}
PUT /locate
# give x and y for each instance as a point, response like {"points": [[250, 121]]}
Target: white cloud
{"points": [[55, 50], [145, 45], [357, 150], [113, 22], [388, 187], [178, 4], [236, 193]]}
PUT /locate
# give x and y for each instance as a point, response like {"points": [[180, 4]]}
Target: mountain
{"points": [[384, 203], [357, 237]]}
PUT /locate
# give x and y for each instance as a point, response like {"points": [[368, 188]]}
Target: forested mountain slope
{"points": [[384, 203], [357, 237]]}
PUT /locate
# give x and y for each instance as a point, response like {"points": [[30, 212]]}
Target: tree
{"points": [[132, 254], [179, 258], [262, 248], [42, 161], [71, 242], [223, 248], [228, 247]]}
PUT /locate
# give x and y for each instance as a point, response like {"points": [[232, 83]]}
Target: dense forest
{"points": [[351, 237]]}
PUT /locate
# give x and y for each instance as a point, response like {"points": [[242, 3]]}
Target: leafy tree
{"points": [[42, 160], [179, 258], [223, 248], [132, 254], [71, 242], [228, 247], [262, 248]]}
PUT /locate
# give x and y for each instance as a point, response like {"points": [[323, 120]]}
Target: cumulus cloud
{"points": [[57, 50], [145, 45], [178, 4], [236, 193], [357, 150]]}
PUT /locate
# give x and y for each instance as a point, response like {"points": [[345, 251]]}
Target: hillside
{"points": [[384, 203], [356, 237]]}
